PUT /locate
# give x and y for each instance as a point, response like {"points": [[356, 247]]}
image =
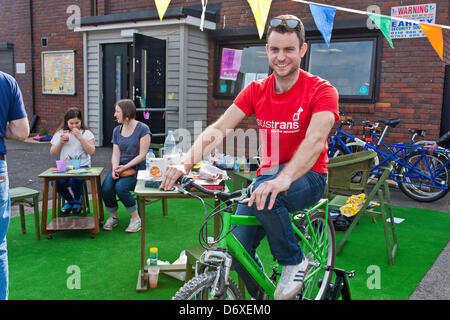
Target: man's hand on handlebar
{"points": [[269, 189], [171, 176]]}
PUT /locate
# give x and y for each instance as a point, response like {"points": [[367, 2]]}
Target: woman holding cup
{"points": [[72, 141]]}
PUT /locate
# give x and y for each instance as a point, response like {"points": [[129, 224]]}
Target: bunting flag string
{"points": [[324, 19], [260, 9], [161, 7], [432, 31]]}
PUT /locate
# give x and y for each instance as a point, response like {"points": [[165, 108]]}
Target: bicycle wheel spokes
{"points": [[199, 288], [424, 177], [320, 253]]}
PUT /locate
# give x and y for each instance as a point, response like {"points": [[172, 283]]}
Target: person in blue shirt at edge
{"points": [[297, 111], [131, 140], [13, 125]]}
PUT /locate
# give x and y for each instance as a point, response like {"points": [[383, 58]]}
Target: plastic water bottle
{"points": [[169, 144], [236, 165], [148, 158], [153, 256]]}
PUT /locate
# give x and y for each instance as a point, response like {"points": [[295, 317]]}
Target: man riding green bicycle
{"points": [[296, 111]]}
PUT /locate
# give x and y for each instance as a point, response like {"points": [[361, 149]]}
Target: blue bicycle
{"points": [[421, 176]]}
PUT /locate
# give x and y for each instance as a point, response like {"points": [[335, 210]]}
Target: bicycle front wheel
{"points": [[416, 178], [322, 238], [199, 288]]}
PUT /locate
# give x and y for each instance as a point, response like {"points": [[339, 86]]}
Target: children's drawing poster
{"points": [[58, 72]]}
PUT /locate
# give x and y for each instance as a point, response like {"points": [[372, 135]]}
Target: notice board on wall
{"points": [[58, 72]]}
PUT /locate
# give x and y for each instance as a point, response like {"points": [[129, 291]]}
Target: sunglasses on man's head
{"points": [[291, 23]]}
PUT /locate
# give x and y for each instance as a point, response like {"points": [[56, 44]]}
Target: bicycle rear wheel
{"points": [[319, 277], [199, 288], [414, 181]]}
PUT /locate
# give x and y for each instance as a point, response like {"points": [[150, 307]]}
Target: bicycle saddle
{"points": [[390, 122]]}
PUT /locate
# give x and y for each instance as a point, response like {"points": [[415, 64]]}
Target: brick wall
{"points": [[17, 33], [50, 20], [411, 83]]}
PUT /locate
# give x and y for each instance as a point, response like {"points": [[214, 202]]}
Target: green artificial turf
{"points": [[421, 238], [108, 265]]}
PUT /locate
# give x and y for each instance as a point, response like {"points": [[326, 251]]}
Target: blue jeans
{"points": [[276, 223], [120, 187], [4, 223], [75, 184]]}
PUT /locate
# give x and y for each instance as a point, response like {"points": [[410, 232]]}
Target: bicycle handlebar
{"points": [[187, 183]]}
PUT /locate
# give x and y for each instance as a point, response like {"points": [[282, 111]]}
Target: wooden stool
{"points": [[193, 254], [26, 197]]}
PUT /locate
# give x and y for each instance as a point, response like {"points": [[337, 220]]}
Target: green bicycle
{"points": [[212, 281]]}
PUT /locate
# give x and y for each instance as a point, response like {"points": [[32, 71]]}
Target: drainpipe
{"points": [[32, 56]]}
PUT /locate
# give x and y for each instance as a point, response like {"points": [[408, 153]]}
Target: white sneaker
{"points": [[110, 223], [291, 280], [134, 226]]}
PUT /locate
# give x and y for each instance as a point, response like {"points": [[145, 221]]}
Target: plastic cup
{"points": [[76, 164], [246, 168], [61, 165], [153, 274], [65, 135]]}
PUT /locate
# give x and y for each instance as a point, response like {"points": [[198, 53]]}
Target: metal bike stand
{"points": [[340, 285]]}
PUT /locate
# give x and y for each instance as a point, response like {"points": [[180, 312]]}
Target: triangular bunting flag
{"points": [[161, 6], [384, 23], [324, 19], [434, 35], [260, 9]]}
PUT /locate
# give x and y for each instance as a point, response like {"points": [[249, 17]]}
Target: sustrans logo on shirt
{"points": [[280, 125], [286, 127], [296, 116]]}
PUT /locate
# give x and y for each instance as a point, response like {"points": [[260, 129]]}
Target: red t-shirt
{"points": [[286, 116]]}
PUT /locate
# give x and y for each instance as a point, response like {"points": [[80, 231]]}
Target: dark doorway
{"points": [[150, 83], [445, 119], [116, 68], [7, 58]]}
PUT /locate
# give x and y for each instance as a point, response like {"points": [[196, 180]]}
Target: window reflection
{"points": [[239, 66], [118, 78], [347, 65]]}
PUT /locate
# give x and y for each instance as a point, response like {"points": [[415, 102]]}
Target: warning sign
{"points": [[421, 13]]}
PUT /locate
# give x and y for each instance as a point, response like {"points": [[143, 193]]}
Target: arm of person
{"points": [[18, 129], [115, 161], [302, 161], [443, 141], [205, 143], [144, 145], [55, 149], [88, 145]]}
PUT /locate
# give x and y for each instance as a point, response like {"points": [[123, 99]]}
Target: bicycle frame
{"points": [[411, 171], [231, 243], [398, 156], [373, 137]]}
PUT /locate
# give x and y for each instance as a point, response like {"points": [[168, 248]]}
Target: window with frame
{"points": [[349, 64], [238, 64]]}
